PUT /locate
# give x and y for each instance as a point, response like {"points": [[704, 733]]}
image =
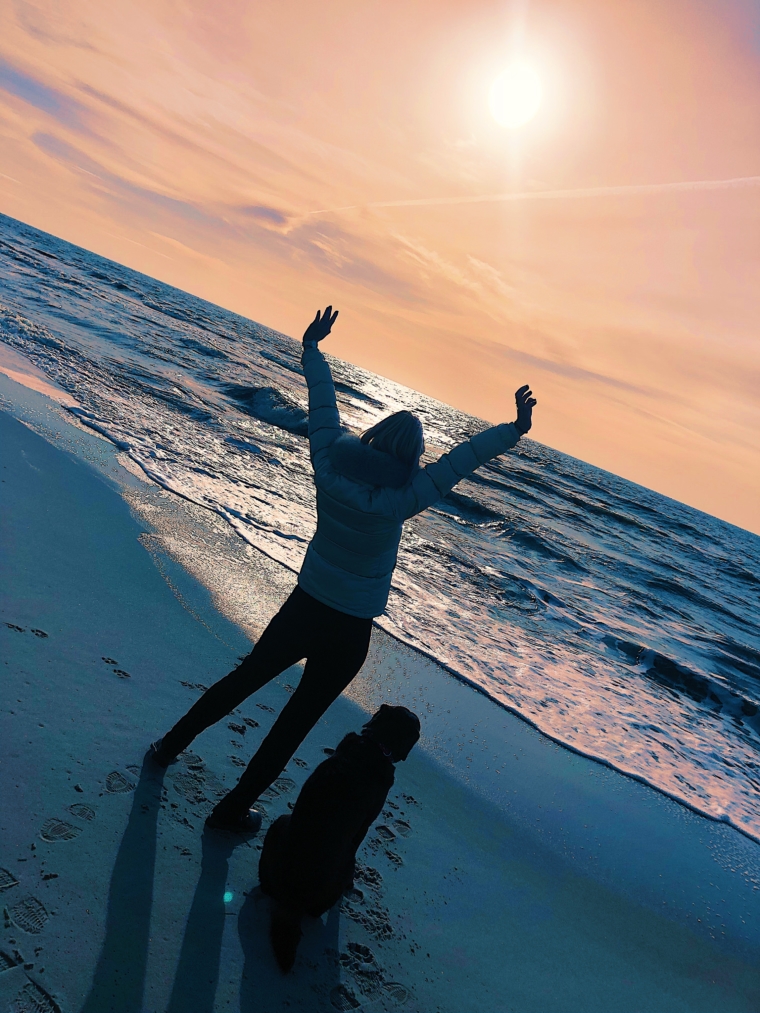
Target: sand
{"points": [[506, 873]]}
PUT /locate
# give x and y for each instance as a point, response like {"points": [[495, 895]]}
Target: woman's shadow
{"points": [[197, 974], [119, 980]]}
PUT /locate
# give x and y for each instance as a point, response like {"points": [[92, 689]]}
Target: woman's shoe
{"points": [[155, 752], [238, 823]]}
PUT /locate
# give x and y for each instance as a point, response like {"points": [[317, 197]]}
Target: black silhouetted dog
{"points": [[308, 858]]}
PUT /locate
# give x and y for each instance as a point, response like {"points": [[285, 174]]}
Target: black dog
{"points": [[308, 858]]}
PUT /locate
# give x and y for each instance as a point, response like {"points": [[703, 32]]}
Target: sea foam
{"points": [[619, 622]]}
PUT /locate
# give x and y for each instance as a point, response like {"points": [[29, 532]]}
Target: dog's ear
{"points": [[407, 733]]}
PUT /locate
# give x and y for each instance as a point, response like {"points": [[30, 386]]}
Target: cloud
{"points": [[190, 252], [324, 245], [564, 369], [48, 100], [67, 153], [633, 190], [265, 214]]}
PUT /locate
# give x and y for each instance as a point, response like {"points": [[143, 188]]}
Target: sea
{"points": [[623, 624]]}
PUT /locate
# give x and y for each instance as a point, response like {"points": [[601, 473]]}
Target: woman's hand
{"points": [[320, 327], [525, 404]]}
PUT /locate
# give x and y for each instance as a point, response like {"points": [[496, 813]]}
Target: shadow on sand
{"points": [[118, 984], [197, 973], [316, 973], [119, 979]]}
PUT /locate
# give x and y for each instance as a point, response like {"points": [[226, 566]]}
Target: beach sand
{"points": [[506, 874]]}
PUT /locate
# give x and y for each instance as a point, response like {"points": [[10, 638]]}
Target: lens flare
{"points": [[515, 95]]}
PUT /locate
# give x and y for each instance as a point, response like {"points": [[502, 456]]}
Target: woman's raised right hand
{"points": [[320, 326]]}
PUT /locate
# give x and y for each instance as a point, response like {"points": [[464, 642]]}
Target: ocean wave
{"points": [[270, 405], [619, 622]]}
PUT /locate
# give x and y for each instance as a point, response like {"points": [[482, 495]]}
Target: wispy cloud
{"points": [[584, 193], [49, 100]]}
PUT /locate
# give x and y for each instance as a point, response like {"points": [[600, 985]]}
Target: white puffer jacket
{"points": [[350, 560]]}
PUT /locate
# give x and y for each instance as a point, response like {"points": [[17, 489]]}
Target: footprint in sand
{"points": [[402, 827], [6, 962], [233, 727], [198, 786], [376, 920], [34, 999], [7, 880], [40, 633], [82, 812], [54, 830], [284, 784], [29, 915], [251, 723], [344, 998], [395, 992], [385, 833], [193, 685], [237, 761], [18, 629], [299, 762], [266, 707], [117, 671], [359, 961], [116, 783], [370, 877]]}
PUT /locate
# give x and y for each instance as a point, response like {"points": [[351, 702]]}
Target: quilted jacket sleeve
{"points": [[324, 421], [433, 482]]}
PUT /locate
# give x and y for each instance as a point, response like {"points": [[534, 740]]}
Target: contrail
{"points": [[739, 182]]}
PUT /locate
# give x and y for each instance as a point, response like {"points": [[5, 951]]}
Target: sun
{"points": [[515, 95]]}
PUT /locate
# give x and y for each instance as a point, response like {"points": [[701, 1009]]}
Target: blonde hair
{"points": [[399, 434]]}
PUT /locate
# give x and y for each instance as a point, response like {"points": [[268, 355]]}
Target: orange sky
{"points": [[195, 140]]}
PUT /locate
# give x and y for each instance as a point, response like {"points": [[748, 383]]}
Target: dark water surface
{"points": [[618, 621]]}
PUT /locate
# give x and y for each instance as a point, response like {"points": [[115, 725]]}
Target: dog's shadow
{"points": [[316, 972]]}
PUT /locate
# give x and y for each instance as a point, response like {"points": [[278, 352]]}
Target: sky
{"points": [[276, 157]]}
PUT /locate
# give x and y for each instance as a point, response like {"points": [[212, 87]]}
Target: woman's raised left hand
{"points": [[320, 326], [525, 405]]}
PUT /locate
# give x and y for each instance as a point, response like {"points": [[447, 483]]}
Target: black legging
{"points": [[335, 645]]}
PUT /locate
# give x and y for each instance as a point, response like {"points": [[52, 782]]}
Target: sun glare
{"points": [[515, 95]]}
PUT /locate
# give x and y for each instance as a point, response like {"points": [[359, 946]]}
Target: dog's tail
{"points": [[285, 934]]}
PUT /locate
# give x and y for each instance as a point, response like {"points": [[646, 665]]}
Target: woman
{"points": [[366, 489]]}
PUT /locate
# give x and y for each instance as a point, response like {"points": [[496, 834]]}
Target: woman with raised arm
{"points": [[366, 488]]}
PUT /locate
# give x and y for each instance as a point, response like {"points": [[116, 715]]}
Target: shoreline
{"points": [[146, 476], [595, 884]]}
